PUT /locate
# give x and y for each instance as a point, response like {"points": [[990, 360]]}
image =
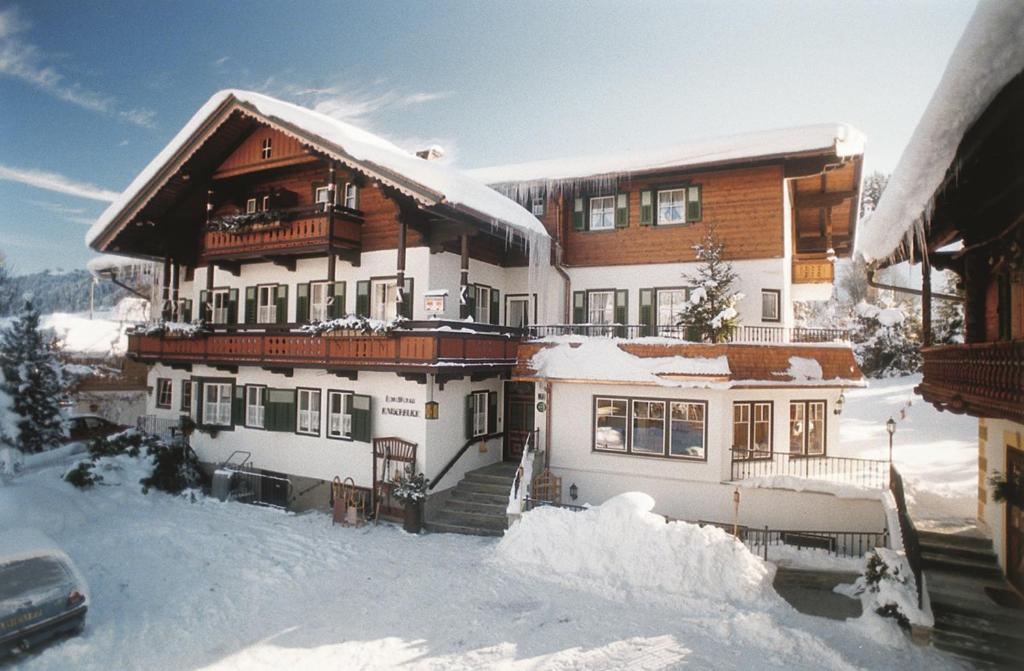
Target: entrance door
{"points": [[1015, 525], [518, 418]]}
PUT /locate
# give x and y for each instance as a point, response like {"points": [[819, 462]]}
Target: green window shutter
{"points": [[694, 210], [361, 414], [579, 307], [233, 306], [204, 310], [495, 306], [622, 310], [186, 310], [647, 208], [337, 307], [238, 405], [280, 410], [408, 297], [250, 305], [197, 400], [363, 298], [469, 416], [578, 215], [302, 303], [492, 412], [647, 311], [471, 301], [622, 210], [282, 303]]}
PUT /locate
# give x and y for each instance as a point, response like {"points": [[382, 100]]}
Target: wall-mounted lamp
{"points": [[574, 491], [430, 410], [840, 402], [890, 426]]}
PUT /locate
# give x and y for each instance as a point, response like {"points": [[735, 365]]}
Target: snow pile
{"points": [[78, 334], [802, 369], [622, 550], [990, 53], [888, 588], [574, 357], [884, 316]]}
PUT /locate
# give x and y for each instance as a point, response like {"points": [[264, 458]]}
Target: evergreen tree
{"points": [[948, 316], [871, 192], [34, 380], [6, 287], [711, 310], [886, 341]]}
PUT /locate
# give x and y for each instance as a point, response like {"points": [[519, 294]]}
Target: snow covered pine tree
{"points": [[34, 379], [711, 310]]}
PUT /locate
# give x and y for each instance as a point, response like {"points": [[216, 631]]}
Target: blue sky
{"points": [[90, 92]]}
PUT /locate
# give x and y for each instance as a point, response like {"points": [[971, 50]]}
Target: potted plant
{"points": [[411, 490], [1008, 488]]}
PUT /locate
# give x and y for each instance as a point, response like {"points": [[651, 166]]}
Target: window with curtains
{"points": [[771, 300], [339, 415], [670, 309], [602, 213], [217, 403], [164, 391], [483, 304], [479, 413], [220, 300], [307, 419], [752, 429], [266, 304], [255, 407], [807, 425], [601, 307], [383, 299], [318, 301]]}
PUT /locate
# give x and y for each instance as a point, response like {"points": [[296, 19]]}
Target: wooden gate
{"points": [[390, 458], [1015, 524]]}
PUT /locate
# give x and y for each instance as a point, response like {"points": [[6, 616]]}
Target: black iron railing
{"points": [[911, 542], [530, 503], [838, 543], [742, 333], [866, 473]]}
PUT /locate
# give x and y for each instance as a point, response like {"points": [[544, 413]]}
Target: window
{"points": [[601, 307], [678, 206], [517, 311], [807, 428], [217, 404], [339, 415], [770, 299], [186, 395], [351, 196], [163, 392], [752, 430], [483, 304], [250, 206], [265, 205], [255, 406], [537, 204], [322, 194], [220, 300], [670, 309], [266, 304], [610, 415], [266, 149], [318, 301], [648, 427], [686, 430], [308, 415], [602, 213], [478, 408], [383, 300]]}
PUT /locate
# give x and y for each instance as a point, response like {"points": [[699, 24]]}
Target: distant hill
{"points": [[63, 292]]}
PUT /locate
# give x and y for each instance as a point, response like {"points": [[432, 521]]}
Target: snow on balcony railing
{"points": [[742, 333], [788, 470]]}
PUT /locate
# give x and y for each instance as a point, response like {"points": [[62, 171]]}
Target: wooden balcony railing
{"points": [[416, 347], [981, 379], [296, 230]]}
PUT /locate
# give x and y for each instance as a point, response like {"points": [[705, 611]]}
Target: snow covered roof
{"points": [[104, 263], [668, 362], [429, 182], [843, 139], [990, 53]]}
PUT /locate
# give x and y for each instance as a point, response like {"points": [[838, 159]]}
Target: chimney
{"points": [[431, 153]]}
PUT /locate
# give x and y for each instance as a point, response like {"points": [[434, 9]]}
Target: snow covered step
{"points": [[453, 523], [954, 540], [485, 508], [490, 479], [480, 497], [956, 550], [961, 565], [987, 625], [496, 489], [975, 648]]}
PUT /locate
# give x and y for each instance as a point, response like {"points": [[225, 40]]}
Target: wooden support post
{"points": [[207, 307], [175, 278], [464, 279], [926, 299], [165, 293], [332, 200], [400, 269]]}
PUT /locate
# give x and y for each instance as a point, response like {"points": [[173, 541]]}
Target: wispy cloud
{"points": [[52, 181], [76, 215], [25, 61], [351, 103]]}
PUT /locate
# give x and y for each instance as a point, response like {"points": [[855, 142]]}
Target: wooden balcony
{"points": [[294, 231], [417, 347], [980, 379]]}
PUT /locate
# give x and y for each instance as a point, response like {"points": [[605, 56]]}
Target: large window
{"points": [[602, 213], [670, 309], [318, 301], [679, 206], [383, 300], [752, 430], [217, 403], [610, 416], [164, 390], [517, 311], [770, 305], [266, 304], [339, 415], [307, 419], [807, 428], [656, 427], [220, 299], [601, 307], [255, 406]]}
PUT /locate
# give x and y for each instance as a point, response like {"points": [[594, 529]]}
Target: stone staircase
{"points": [[476, 506], [968, 623]]}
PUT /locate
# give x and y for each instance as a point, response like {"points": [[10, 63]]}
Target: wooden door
{"points": [[518, 418], [1015, 525]]}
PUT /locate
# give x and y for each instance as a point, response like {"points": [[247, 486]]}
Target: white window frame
{"points": [[322, 194], [602, 213], [250, 206], [526, 302], [776, 299], [319, 308], [219, 313], [480, 410], [266, 313], [678, 202], [351, 195], [339, 423], [537, 204], [265, 204], [255, 411], [483, 304], [670, 326], [164, 389], [602, 312], [267, 148], [609, 402], [307, 420], [217, 398], [384, 307]]}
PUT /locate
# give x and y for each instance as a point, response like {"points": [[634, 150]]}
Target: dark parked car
{"points": [[87, 427], [41, 596]]}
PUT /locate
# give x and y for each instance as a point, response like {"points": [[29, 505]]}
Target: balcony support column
{"points": [[332, 200], [165, 290], [926, 299], [175, 278], [464, 278], [400, 270], [207, 307]]}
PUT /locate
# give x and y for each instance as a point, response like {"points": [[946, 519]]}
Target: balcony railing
{"points": [[981, 379], [863, 473], [287, 230], [414, 346], [742, 334]]}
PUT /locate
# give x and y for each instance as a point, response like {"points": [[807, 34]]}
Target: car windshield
{"points": [[27, 577]]}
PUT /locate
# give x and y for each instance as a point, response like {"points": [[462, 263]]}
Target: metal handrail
{"points": [[870, 473], [451, 462], [911, 541]]}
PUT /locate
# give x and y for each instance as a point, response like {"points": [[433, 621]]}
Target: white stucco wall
{"points": [[999, 435]]}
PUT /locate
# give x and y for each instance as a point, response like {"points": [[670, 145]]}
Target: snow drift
{"points": [[621, 549]]}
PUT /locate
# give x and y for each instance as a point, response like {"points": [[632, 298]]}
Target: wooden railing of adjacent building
{"points": [[981, 379], [419, 346], [813, 271], [297, 230]]}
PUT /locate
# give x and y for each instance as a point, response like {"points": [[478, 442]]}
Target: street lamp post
{"points": [[890, 426]]}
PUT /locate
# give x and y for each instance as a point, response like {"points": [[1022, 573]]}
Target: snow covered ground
{"points": [[204, 585], [936, 452]]}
